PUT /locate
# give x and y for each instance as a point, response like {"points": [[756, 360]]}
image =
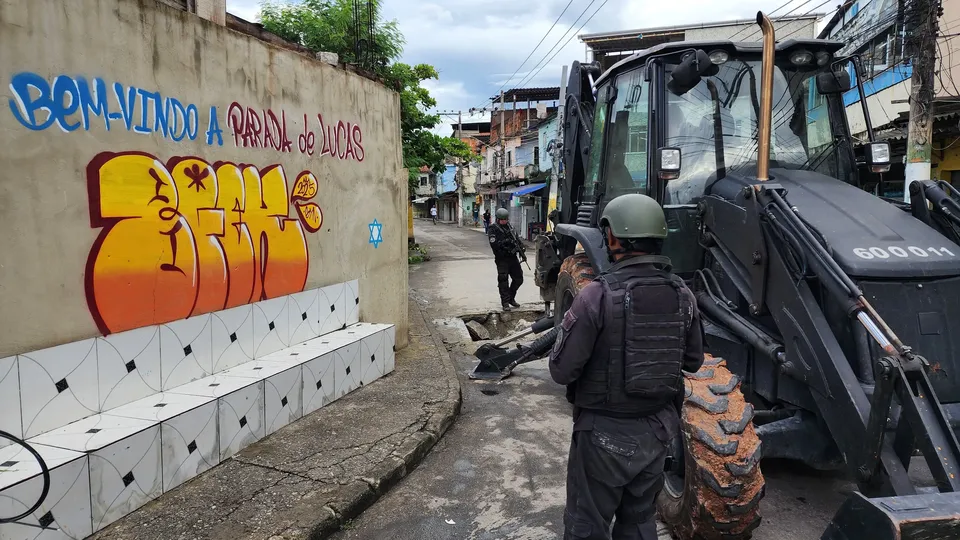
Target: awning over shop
{"points": [[523, 190], [421, 200]]}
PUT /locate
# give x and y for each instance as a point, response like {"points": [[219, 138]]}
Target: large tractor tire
{"points": [[714, 492], [575, 273]]}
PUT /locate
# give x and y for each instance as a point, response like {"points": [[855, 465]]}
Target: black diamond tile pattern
{"points": [[348, 370], [258, 368], [192, 447], [131, 365], [243, 421], [319, 384], [160, 405], [303, 315], [333, 308], [271, 325], [214, 384], [283, 402], [46, 520], [8, 463], [128, 479], [373, 358], [187, 350], [62, 385], [93, 430], [233, 337], [357, 300]]}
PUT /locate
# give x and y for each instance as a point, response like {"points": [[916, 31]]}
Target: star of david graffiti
{"points": [[375, 233]]}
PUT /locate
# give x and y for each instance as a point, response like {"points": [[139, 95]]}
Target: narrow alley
{"points": [[499, 472]]}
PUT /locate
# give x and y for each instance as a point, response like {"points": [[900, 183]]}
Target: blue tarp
{"points": [[523, 190]]}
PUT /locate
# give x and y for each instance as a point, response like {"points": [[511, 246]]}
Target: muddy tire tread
{"points": [[724, 484]]}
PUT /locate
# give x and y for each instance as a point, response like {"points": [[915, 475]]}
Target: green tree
{"points": [[328, 25]]}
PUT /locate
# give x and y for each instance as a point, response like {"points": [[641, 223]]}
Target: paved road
{"points": [[499, 473]]}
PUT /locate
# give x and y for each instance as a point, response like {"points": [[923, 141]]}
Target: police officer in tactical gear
{"points": [[507, 249], [620, 351]]}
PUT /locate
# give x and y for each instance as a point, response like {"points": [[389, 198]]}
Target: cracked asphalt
{"points": [[499, 472]]}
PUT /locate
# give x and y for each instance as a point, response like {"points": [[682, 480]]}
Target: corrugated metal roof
{"points": [[587, 38]]}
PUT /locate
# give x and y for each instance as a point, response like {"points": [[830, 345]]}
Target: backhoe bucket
{"points": [[931, 516], [494, 361]]}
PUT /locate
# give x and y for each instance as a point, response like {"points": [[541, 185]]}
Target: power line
{"points": [[748, 27], [568, 40], [807, 13], [552, 26], [757, 31], [538, 64]]}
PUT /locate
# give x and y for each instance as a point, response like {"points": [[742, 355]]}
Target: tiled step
{"points": [[111, 463]]}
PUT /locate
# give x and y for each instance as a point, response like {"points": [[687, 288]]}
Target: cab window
{"points": [[625, 170]]}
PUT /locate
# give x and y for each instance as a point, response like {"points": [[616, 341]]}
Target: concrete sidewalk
{"points": [[311, 477]]}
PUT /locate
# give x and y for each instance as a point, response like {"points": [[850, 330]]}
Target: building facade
{"points": [[879, 34]]}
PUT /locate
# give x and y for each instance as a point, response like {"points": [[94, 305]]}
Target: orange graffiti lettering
{"points": [[186, 237]]}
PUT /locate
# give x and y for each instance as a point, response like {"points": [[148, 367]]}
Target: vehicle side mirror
{"points": [[833, 82], [689, 73], [669, 160], [878, 157]]}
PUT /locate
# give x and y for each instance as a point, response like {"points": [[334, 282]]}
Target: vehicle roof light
{"points": [[822, 58], [719, 57], [800, 58]]}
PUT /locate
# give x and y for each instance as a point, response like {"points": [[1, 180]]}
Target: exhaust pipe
{"points": [[766, 97]]}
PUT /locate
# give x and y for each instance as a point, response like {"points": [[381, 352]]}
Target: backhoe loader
{"points": [[827, 309]]}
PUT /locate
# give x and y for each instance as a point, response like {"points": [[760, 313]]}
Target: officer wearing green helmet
{"points": [[620, 352], [507, 252]]}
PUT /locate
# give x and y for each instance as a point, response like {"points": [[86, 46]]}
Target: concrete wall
{"points": [[252, 172], [785, 29]]}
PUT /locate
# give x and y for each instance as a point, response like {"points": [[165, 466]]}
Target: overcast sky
{"points": [[476, 45]]}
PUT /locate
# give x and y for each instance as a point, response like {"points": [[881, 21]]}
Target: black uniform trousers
{"points": [[615, 469], [509, 277]]}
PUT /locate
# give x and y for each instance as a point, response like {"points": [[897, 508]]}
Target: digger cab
{"points": [[671, 121]]}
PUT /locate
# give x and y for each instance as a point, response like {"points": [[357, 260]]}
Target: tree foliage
{"points": [[328, 25]]}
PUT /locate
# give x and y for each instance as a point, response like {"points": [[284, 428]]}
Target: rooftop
{"points": [[530, 94], [643, 38]]}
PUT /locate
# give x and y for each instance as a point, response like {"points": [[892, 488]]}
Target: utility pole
{"points": [[459, 172], [503, 151], [557, 153], [922, 32]]}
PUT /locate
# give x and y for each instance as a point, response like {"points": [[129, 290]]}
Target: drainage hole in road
{"points": [[489, 392], [497, 325]]}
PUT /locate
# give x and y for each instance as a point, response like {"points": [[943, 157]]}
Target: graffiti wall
{"points": [[170, 167]]}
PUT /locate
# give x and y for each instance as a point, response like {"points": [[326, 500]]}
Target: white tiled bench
{"points": [[188, 395]]}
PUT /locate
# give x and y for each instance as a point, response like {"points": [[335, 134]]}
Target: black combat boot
{"points": [[514, 303]]}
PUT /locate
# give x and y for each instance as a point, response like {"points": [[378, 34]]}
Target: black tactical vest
{"points": [[635, 367]]}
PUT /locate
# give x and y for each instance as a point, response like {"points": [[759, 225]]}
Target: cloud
{"points": [[476, 46]]}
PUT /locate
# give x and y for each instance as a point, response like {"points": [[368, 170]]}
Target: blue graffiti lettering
{"points": [[193, 121], [65, 88], [95, 102], [25, 107], [214, 129], [126, 103], [71, 102]]}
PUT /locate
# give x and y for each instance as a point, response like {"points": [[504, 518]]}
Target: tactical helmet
{"points": [[502, 213], [634, 216]]}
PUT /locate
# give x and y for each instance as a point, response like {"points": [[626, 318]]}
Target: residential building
{"points": [[873, 30], [609, 48], [425, 195], [511, 174]]}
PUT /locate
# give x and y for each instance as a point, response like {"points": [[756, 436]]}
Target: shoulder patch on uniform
{"points": [[569, 318], [493, 239]]}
